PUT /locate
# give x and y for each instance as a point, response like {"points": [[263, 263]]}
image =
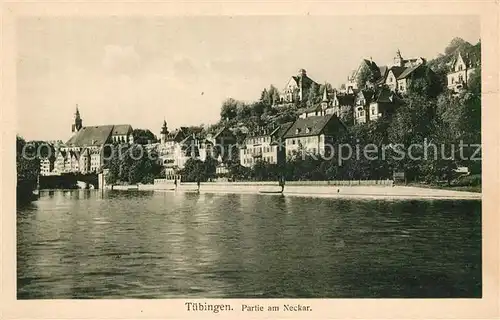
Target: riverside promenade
{"points": [[311, 190]]}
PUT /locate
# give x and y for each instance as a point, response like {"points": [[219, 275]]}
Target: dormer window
{"points": [[308, 130], [297, 131]]}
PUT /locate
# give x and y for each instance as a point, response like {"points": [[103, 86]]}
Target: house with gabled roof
{"points": [[366, 65], [461, 69], [342, 104], [384, 102], [399, 78], [296, 88], [265, 144], [314, 135], [373, 104]]}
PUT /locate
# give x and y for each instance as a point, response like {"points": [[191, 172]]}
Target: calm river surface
{"points": [[112, 244]]}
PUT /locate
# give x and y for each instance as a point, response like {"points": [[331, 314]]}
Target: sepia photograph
{"points": [[216, 160], [249, 157]]}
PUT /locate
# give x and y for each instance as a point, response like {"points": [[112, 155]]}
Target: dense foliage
{"points": [[27, 168], [132, 164]]}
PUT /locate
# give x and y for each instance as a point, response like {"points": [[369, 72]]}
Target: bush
{"points": [[470, 180]]}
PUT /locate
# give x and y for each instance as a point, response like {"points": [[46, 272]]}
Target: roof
{"points": [[219, 132], [346, 99], [283, 129], [312, 108], [383, 71], [407, 72], [121, 129], [372, 65], [397, 71], [385, 95], [367, 94], [315, 124], [175, 135], [93, 135], [279, 132]]}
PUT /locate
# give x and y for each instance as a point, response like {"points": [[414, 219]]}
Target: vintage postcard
{"points": [[273, 160]]}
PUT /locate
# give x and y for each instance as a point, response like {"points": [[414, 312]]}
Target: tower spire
{"points": [[78, 121], [325, 94]]}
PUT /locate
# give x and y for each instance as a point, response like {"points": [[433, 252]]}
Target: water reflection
{"points": [[90, 244]]}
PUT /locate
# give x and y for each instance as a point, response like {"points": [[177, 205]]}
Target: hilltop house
{"points": [[296, 88], [367, 68], [342, 104], [397, 76], [313, 135], [462, 67], [373, 104]]}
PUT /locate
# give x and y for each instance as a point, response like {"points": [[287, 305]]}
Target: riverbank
{"points": [[359, 192]]}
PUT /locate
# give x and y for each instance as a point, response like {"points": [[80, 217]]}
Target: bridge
{"points": [[69, 181]]}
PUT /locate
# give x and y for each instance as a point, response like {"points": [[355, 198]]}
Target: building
{"points": [[296, 88], [371, 104], [320, 109], [342, 105], [367, 69], [169, 149], [313, 135], [399, 79], [84, 151], [225, 145], [399, 61], [265, 144], [397, 76], [47, 166], [461, 70]]}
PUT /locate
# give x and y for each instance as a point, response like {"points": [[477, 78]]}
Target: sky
{"points": [[139, 71]]}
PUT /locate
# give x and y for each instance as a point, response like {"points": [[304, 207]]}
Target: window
{"points": [[373, 111], [293, 141], [460, 67]]}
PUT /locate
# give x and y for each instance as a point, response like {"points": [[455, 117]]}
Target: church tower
{"points": [[398, 59], [78, 121], [164, 132]]}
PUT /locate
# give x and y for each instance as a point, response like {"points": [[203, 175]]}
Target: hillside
{"points": [[443, 62]]}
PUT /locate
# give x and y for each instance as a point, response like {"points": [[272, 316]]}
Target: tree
{"points": [[27, 168], [364, 76], [228, 110], [454, 45], [194, 170], [144, 136]]}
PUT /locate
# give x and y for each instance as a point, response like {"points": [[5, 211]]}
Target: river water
{"points": [[112, 244]]}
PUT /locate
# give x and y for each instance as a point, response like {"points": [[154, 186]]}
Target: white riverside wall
{"points": [[318, 189]]}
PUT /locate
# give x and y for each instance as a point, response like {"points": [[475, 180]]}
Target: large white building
{"points": [[461, 70]]}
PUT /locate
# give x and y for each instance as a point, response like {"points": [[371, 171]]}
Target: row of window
{"points": [[250, 161], [258, 150], [311, 150], [258, 140]]}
